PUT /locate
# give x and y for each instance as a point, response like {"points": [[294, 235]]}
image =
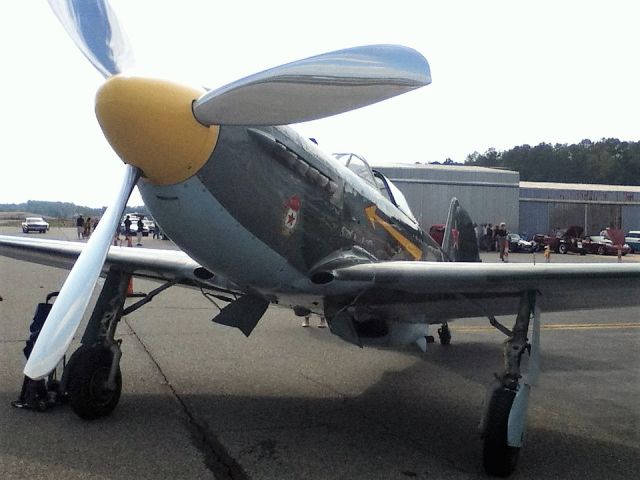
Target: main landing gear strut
{"points": [[504, 420], [92, 378]]}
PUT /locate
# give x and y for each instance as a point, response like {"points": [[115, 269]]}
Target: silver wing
{"points": [[154, 264], [439, 290], [446, 290]]}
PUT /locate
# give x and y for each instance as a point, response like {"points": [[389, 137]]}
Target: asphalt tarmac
{"points": [[201, 401]]}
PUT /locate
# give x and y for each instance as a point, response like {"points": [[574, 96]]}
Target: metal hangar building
{"points": [[489, 195], [495, 195]]}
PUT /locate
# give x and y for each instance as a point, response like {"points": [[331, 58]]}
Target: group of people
{"points": [[127, 230], [495, 239], [84, 227]]}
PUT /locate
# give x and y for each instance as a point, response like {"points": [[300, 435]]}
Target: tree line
{"points": [[607, 161], [60, 209]]}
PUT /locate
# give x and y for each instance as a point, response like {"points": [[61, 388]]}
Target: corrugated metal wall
{"points": [[546, 207], [489, 195], [493, 196]]}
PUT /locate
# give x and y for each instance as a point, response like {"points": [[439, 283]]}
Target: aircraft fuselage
{"points": [[268, 200]]}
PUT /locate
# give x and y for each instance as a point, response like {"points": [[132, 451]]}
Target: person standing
{"points": [[140, 225], [503, 245], [488, 237], [87, 228], [80, 226], [127, 230]]}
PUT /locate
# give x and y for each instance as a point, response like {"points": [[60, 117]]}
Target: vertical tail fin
{"points": [[460, 242]]}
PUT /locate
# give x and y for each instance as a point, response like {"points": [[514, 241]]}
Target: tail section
{"points": [[460, 242]]}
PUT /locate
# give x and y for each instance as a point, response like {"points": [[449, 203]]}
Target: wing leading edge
{"points": [[440, 290], [457, 290], [154, 264]]}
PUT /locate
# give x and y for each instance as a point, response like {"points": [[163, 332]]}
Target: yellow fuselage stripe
{"points": [[373, 217]]}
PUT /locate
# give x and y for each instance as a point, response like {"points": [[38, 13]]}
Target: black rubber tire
{"points": [[499, 459], [601, 250], [444, 335], [86, 375], [562, 248]]}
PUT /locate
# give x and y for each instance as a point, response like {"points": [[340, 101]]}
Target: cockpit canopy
{"points": [[360, 167]]}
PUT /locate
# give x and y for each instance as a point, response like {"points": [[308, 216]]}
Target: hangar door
{"points": [[592, 217]]}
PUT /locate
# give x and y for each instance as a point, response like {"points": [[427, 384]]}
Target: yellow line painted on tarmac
{"points": [[567, 326]]}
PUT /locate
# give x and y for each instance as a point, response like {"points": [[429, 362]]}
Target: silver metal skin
{"points": [[315, 87], [69, 307], [161, 265], [95, 29]]}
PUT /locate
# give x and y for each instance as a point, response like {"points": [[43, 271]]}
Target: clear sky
{"points": [[505, 73]]}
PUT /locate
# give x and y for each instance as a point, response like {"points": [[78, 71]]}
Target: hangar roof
{"points": [[459, 174], [580, 186]]}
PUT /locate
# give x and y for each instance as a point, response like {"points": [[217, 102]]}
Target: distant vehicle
{"points": [[35, 224], [149, 226], [538, 242], [566, 240], [601, 245], [519, 244], [633, 240], [437, 232]]}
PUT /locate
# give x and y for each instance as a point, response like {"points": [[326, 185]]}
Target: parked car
{"points": [[149, 227], [34, 224], [437, 232], [566, 240], [601, 245], [538, 242], [633, 240], [519, 244]]}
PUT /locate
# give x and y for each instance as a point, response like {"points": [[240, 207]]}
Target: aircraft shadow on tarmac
{"points": [[411, 422], [409, 428]]}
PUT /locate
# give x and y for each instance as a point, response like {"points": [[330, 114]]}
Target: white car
{"points": [[633, 240], [34, 224]]}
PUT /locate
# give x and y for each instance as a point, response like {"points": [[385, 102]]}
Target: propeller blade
{"points": [[95, 29], [315, 87], [69, 307]]}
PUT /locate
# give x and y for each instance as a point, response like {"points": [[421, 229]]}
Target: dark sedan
{"points": [[566, 240], [603, 246]]}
